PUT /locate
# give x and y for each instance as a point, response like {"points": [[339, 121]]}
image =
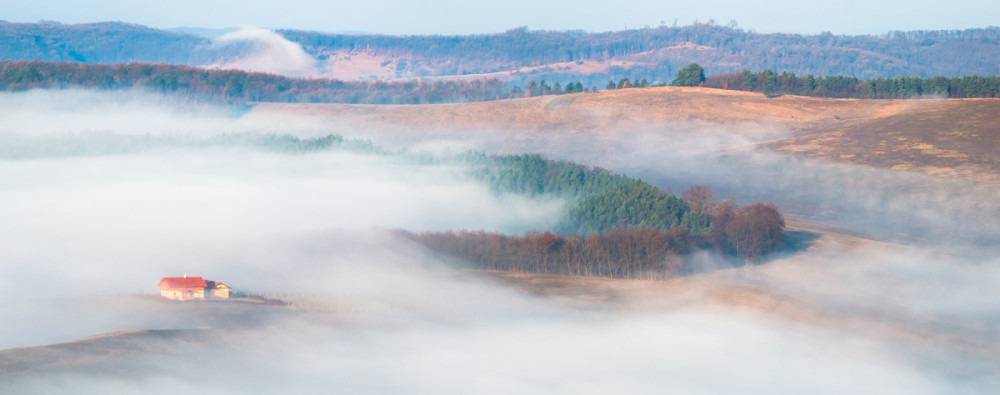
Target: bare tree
{"points": [[699, 199], [756, 230]]}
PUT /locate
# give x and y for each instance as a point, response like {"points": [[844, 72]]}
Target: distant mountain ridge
{"points": [[104, 42], [520, 55], [656, 53]]}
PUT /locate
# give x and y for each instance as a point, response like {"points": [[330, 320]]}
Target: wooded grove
{"points": [[615, 226]]}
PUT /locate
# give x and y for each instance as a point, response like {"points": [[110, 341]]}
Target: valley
{"points": [[887, 277], [782, 293]]}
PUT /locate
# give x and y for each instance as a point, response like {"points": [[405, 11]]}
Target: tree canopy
{"points": [[601, 203], [690, 75], [836, 86]]}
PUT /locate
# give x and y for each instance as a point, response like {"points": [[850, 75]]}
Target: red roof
{"points": [[182, 282]]}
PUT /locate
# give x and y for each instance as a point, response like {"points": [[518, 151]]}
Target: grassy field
{"points": [[947, 137]]}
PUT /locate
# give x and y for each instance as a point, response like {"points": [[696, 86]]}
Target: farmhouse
{"points": [[190, 288]]}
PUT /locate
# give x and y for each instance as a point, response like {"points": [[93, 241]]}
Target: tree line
{"points": [[773, 83], [237, 86], [240, 86], [244, 86], [536, 88], [747, 234]]}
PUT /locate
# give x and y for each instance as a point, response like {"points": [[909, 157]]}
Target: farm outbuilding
{"points": [[190, 288], [217, 290]]}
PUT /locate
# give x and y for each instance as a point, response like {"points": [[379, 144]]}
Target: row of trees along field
{"points": [[241, 86], [615, 226], [772, 83], [787, 83], [775, 84]]}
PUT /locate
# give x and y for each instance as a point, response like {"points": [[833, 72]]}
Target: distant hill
{"points": [[520, 55], [656, 54], [106, 42]]}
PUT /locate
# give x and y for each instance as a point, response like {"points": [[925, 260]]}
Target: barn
{"points": [[217, 290], [190, 288]]}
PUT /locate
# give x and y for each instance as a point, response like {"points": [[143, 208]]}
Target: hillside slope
{"points": [[106, 42], [520, 55], [657, 53], [932, 136]]}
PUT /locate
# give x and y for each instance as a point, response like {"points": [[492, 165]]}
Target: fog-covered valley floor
{"points": [[891, 287]]}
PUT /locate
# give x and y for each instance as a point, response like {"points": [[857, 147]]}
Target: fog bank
{"points": [[89, 231], [890, 205]]}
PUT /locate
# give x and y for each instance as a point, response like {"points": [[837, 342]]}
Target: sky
{"points": [[468, 17]]}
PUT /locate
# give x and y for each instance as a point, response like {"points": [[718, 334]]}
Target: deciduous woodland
{"points": [[651, 53], [660, 51], [240, 86], [615, 226]]}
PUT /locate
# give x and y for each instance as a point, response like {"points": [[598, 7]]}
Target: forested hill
{"points": [[654, 53], [106, 42], [651, 53]]}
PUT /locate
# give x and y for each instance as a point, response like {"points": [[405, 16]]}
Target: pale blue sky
{"points": [[456, 16]]}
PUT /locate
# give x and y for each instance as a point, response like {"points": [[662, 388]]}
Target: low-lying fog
{"points": [[890, 205], [85, 228]]}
